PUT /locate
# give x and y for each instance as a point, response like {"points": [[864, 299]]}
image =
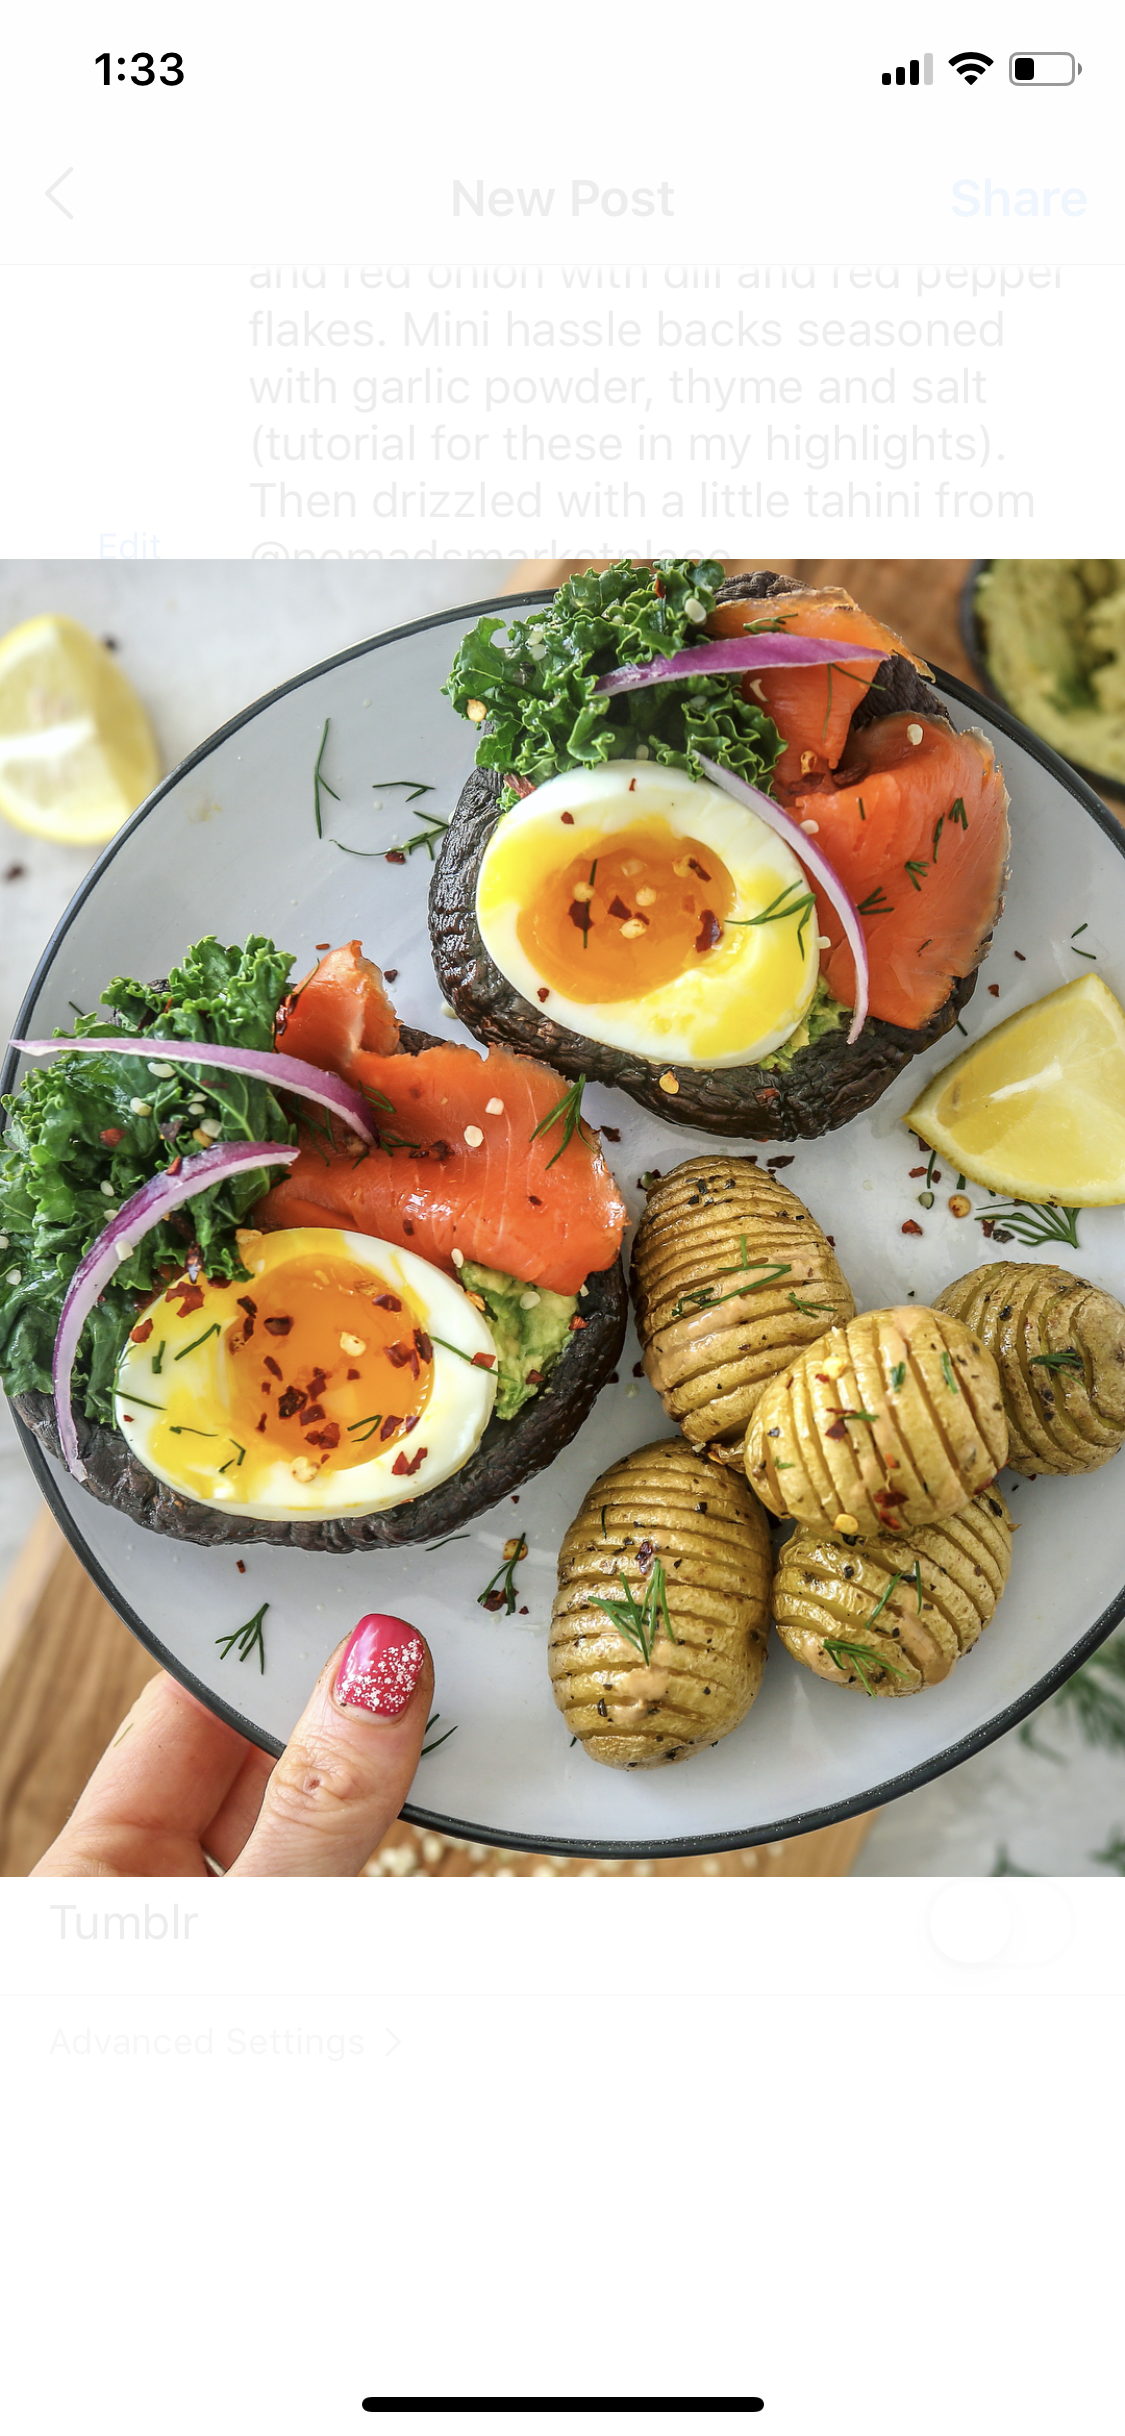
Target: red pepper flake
{"points": [[187, 1294], [328, 1437], [238, 1565], [645, 1554], [386, 1302], [832, 1240], [658, 587], [786, 1161], [261, 1424], [994, 989], [422, 1346], [612, 1133], [404, 1466], [632, 786], [313, 1412], [767, 1093], [353, 1374], [1019, 959], [543, 995], [535, 1201], [580, 916], [322, 946], [987, 1226], [697, 868], [113, 1135], [279, 1327], [484, 1361], [910, 1226], [399, 1355], [274, 1366], [576, 1323], [408, 1226], [293, 1401], [533, 1378], [391, 973], [394, 856], [392, 1423], [411, 1422], [567, 818], [620, 912], [141, 1335], [174, 1165], [247, 1303], [710, 931], [917, 1171]]}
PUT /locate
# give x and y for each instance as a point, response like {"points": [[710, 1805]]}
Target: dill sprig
{"points": [[871, 904], [947, 1375], [500, 1592], [1034, 1222], [427, 1747], [416, 786], [777, 911], [888, 1594], [427, 836], [568, 1113], [640, 1620], [705, 1297], [319, 781], [865, 1661], [213, 1330], [245, 1638], [809, 1309], [1070, 1360], [916, 873]]}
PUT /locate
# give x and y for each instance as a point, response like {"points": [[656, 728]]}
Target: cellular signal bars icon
{"points": [[916, 72]]}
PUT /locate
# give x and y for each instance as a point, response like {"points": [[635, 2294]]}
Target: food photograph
{"points": [[581, 1106]]}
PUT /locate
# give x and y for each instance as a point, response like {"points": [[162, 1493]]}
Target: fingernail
{"points": [[380, 1667]]}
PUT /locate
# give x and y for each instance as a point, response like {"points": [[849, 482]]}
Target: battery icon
{"points": [[1043, 68]]}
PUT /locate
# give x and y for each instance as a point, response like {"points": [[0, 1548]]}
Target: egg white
{"points": [[456, 1415], [743, 999]]}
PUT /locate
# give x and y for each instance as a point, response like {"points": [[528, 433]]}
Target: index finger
{"points": [[168, 1769]]}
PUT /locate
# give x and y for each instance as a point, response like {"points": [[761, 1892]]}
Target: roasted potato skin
{"points": [[824, 1590], [709, 1350], [882, 1425], [712, 1538], [1060, 1418]]}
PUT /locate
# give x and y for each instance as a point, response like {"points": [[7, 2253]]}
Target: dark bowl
{"points": [[972, 638]]}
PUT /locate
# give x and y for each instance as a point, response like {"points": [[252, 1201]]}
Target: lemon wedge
{"points": [[77, 754], [1037, 1108]]}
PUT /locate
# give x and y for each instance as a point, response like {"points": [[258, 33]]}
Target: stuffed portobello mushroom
{"points": [[283, 1271], [722, 848]]}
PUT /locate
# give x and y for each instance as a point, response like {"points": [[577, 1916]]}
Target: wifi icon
{"points": [[971, 65]]}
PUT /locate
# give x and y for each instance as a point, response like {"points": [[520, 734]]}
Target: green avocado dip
{"points": [[530, 1326], [1054, 640]]}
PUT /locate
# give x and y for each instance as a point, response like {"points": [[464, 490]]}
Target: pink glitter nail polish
{"points": [[380, 1666]]}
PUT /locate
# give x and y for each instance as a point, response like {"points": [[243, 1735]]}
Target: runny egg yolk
{"points": [[644, 906], [326, 1365]]}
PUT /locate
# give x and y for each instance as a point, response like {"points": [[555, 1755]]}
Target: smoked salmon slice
{"points": [[811, 707], [458, 1169], [916, 827]]}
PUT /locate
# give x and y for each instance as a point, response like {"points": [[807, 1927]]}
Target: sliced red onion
{"points": [[265, 1065], [814, 861], [734, 652], [119, 1240]]}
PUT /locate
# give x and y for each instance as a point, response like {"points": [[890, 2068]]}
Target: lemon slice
{"points": [[1037, 1108], [77, 754]]}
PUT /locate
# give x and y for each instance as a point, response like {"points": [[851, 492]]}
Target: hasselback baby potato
{"points": [[893, 1615], [891, 1421], [682, 1552], [1059, 1346], [731, 1277]]}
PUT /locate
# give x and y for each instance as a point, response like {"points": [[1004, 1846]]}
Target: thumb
{"points": [[346, 1771]]}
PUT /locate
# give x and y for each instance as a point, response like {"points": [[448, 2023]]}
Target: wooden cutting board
{"points": [[69, 1668]]}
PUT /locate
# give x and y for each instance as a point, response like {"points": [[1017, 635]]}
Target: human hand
{"points": [[178, 1787]]}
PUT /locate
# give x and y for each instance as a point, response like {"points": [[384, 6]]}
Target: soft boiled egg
{"points": [[344, 1376], [651, 912]]}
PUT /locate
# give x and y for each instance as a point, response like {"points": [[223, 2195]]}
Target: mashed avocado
{"points": [[1054, 637], [530, 1326], [825, 1014]]}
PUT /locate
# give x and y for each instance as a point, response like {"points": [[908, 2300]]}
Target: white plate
{"points": [[228, 845]]}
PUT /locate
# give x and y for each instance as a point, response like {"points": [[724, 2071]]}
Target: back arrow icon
{"points": [[53, 197]]}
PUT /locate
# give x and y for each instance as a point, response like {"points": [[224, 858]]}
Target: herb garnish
{"points": [[809, 1309], [569, 1110], [639, 1621], [898, 1377], [777, 911], [447, 1543], [427, 1747], [320, 781], [245, 1638], [947, 1375], [1070, 1360], [158, 1358], [864, 1660], [1034, 1222], [505, 1596], [705, 1297], [916, 873], [213, 1330], [871, 903], [368, 1432]]}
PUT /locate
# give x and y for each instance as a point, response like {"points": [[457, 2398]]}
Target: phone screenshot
{"points": [[562, 1276]]}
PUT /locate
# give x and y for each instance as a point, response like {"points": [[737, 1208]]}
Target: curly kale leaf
{"points": [[85, 1132], [537, 687]]}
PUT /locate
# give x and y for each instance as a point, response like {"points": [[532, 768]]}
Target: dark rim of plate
{"points": [[668, 1848], [972, 637]]}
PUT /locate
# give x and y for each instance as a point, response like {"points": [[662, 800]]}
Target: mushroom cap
{"points": [[629, 1708], [1059, 1345], [889, 1422]]}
